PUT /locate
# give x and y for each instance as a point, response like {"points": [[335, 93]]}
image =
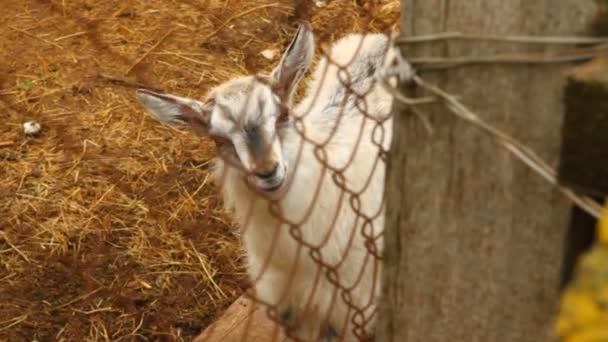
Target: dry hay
{"points": [[109, 226]]}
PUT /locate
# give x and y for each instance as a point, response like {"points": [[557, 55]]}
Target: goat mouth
{"points": [[272, 188], [266, 187]]}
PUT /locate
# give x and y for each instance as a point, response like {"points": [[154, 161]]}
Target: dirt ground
{"points": [[110, 228]]}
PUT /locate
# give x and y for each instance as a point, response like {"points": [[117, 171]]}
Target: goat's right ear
{"points": [[294, 63], [175, 110]]}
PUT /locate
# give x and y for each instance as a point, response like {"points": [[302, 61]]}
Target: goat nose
{"points": [[269, 174]]}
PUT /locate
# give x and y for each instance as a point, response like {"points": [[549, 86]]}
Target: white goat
{"points": [[304, 211]]}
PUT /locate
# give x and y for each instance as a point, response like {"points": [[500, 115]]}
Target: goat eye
{"points": [[220, 141]]}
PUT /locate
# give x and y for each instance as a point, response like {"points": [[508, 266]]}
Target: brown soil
{"points": [[109, 226]]}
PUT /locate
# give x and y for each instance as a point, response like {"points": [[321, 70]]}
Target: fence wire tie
{"points": [[403, 70]]}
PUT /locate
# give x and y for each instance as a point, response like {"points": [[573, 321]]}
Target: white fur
{"points": [[283, 268]]}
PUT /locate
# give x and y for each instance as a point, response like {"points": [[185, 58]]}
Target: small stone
{"points": [[36, 171], [321, 3], [31, 128], [9, 156], [81, 89], [270, 54], [127, 13]]}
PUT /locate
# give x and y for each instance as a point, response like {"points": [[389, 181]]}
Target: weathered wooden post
{"points": [[474, 239]]}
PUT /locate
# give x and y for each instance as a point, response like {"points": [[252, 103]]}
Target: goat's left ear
{"points": [[294, 63], [175, 110]]}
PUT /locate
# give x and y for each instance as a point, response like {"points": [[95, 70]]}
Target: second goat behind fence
{"points": [[305, 182]]}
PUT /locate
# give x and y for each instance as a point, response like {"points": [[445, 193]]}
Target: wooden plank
{"points": [[474, 239], [243, 321]]}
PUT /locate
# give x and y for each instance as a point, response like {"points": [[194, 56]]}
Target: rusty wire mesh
{"points": [[314, 248]]}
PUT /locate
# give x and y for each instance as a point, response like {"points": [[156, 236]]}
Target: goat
{"points": [[305, 182]]}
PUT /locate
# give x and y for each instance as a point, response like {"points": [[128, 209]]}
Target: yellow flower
{"points": [[595, 333], [578, 310], [583, 314]]}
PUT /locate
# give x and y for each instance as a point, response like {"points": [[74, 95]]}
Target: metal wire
{"points": [[456, 107]]}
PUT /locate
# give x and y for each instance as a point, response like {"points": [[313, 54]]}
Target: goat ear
{"points": [[294, 63], [175, 110]]}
